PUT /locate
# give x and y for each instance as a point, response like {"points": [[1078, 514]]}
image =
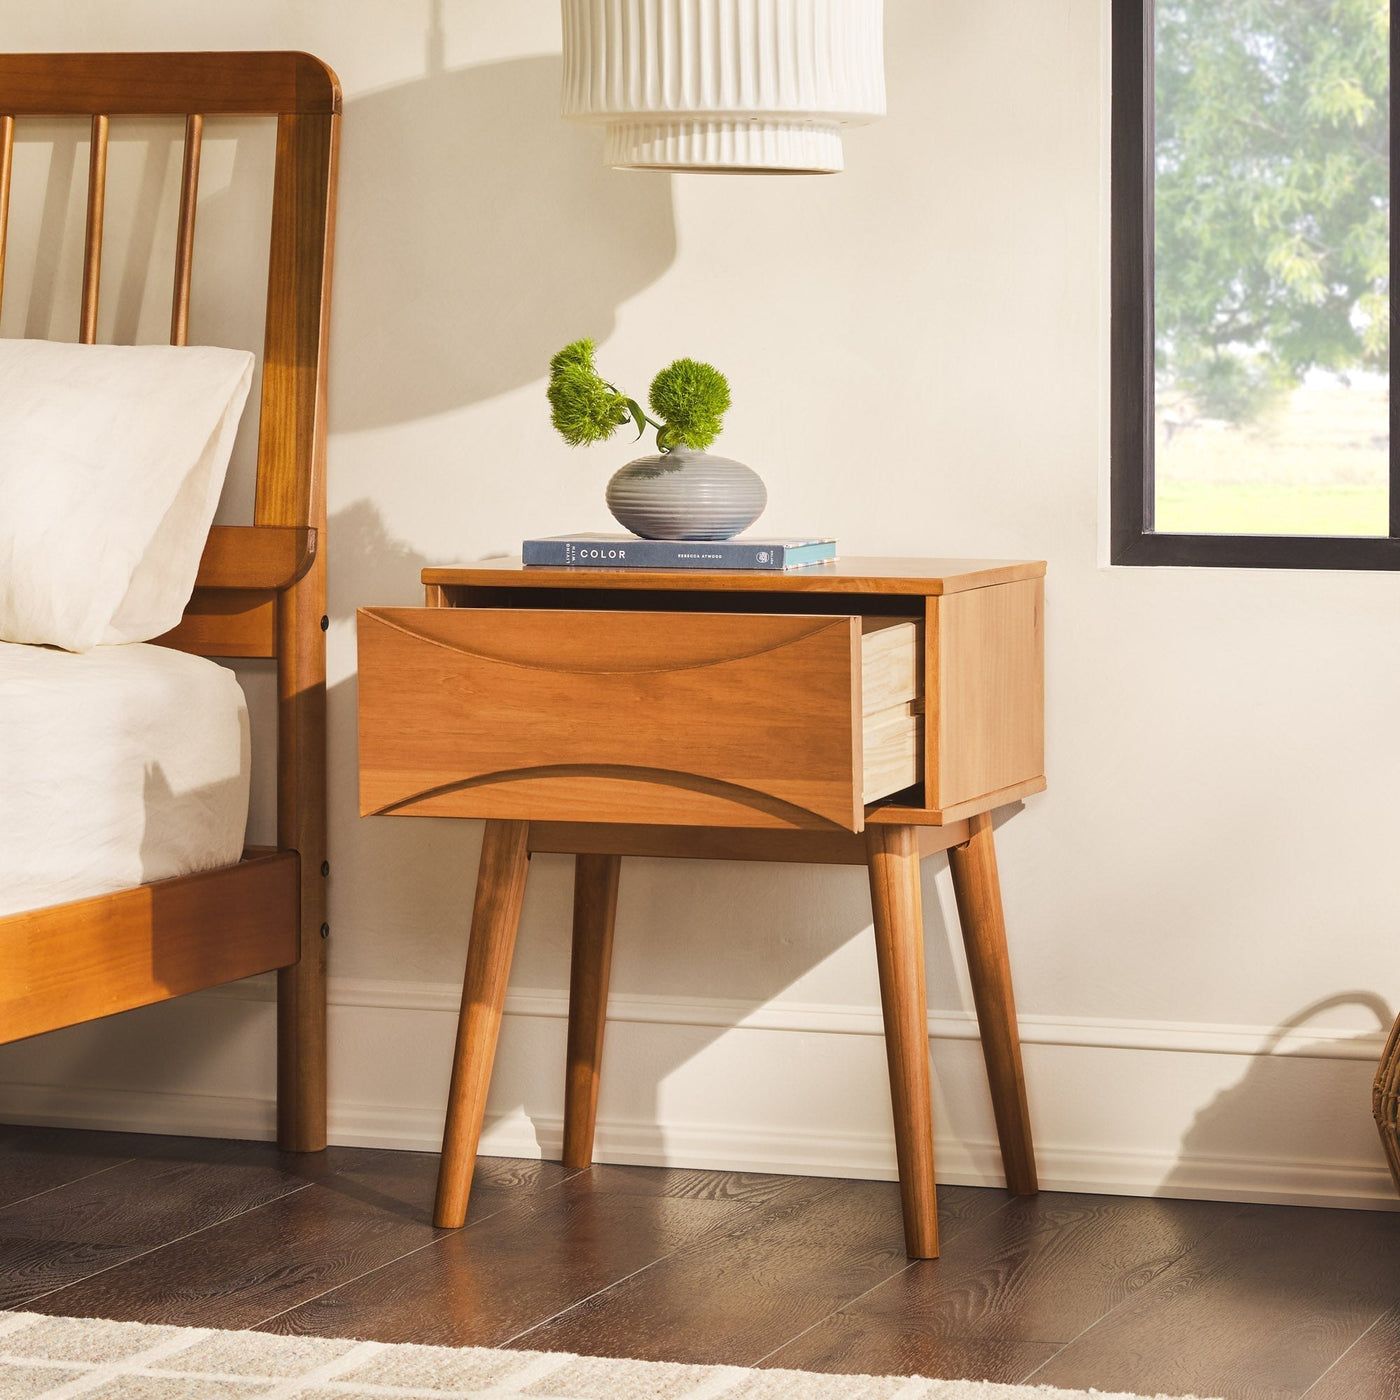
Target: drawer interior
{"points": [[892, 691], [684, 600]]}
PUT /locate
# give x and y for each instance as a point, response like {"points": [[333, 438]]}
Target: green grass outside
{"points": [[1318, 465], [1268, 508]]}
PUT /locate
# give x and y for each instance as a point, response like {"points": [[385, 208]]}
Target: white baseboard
{"points": [[1125, 1143], [869, 1156], [140, 1111]]}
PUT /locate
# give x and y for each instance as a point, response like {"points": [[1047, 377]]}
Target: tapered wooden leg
{"points": [[595, 907], [500, 886], [978, 892], [893, 856]]}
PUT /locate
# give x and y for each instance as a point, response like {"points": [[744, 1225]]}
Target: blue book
{"points": [[629, 552]]}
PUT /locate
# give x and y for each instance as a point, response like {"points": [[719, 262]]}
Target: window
{"points": [[1251, 284]]}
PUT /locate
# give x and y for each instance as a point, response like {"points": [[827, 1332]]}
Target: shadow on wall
{"points": [[367, 566], [478, 233], [1329, 1098]]}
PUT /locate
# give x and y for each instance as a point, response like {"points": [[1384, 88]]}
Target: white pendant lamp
{"points": [[724, 85]]}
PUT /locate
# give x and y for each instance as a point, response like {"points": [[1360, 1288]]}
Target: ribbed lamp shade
{"points": [[724, 85]]}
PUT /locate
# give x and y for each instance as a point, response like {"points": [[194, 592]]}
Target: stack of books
{"points": [[629, 552]]}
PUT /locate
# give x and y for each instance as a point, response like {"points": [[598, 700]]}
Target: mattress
{"points": [[118, 766]]}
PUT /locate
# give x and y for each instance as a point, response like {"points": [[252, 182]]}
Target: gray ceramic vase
{"points": [[686, 495]]}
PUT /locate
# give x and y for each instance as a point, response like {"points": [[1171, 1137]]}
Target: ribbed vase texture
{"points": [[724, 84], [686, 495]]}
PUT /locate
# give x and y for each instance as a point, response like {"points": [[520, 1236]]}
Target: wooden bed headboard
{"points": [[261, 588]]}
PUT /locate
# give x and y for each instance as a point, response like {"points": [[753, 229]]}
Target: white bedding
{"points": [[118, 766]]}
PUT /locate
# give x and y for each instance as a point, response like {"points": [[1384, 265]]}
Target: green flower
{"points": [[692, 399], [689, 397], [583, 407]]}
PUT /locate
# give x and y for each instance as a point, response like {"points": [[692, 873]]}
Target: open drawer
{"points": [[700, 719]]}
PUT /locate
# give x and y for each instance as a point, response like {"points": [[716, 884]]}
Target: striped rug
{"points": [[55, 1358]]}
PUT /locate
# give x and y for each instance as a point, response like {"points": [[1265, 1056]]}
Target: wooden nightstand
{"points": [[866, 711]]}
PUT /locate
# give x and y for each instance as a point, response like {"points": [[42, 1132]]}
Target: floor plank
{"points": [[725, 1298], [875, 1346], [358, 1211], [35, 1160], [406, 1182], [1257, 1312], [1368, 1370], [1243, 1302], [52, 1240], [1037, 1272], [485, 1284]]}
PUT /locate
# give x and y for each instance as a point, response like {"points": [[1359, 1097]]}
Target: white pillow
{"points": [[112, 458]]}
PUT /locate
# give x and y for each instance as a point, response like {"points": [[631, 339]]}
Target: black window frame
{"points": [[1133, 541]]}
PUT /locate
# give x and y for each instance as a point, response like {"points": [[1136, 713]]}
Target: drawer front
{"points": [[703, 719]]}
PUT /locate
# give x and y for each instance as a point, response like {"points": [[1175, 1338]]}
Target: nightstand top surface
{"points": [[843, 575]]}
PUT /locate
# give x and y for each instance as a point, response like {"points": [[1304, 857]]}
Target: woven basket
{"points": [[1385, 1100]]}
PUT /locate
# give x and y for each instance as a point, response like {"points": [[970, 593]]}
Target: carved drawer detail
{"points": [[757, 720]]}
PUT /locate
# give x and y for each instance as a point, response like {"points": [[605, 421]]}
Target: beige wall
{"points": [[918, 354]]}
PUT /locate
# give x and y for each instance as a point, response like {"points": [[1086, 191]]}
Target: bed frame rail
{"points": [[75, 962]]}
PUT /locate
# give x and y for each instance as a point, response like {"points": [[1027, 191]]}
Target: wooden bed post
{"points": [[291, 491], [301, 826]]}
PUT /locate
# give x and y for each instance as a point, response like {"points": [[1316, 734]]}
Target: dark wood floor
{"points": [[1244, 1302]]}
